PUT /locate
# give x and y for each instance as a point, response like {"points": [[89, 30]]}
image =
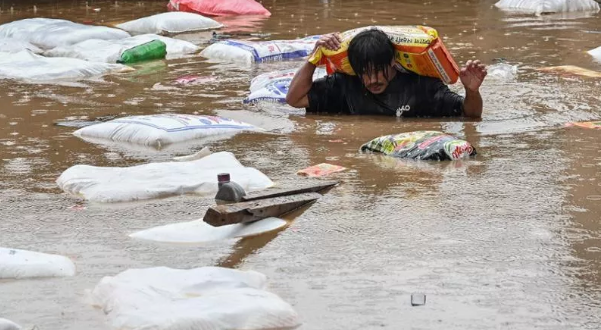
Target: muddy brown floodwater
{"points": [[508, 240]]}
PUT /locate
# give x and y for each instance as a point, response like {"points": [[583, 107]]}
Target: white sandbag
{"points": [[170, 23], [596, 53], [109, 51], [156, 180], [8, 325], [164, 129], [242, 51], [12, 45], [273, 86], [48, 33], [548, 6], [15, 263], [199, 231], [207, 298], [28, 66]]}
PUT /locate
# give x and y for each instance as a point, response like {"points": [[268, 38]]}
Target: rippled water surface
{"points": [[508, 240]]}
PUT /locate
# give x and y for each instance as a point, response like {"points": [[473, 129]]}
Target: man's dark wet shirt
{"points": [[407, 95]]}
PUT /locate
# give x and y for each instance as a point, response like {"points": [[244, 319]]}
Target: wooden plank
{"points": [[270, 193], [227, 214]]}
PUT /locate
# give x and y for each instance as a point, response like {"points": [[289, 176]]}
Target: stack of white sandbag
{"points": [[539, 7], [17, 264], [596, 53], [48, 33], [273, 86], [110, 51], [170, 23], [158, 180], [12, 45], [161, 130], [199, 298], [242, 51], [29, 67]]}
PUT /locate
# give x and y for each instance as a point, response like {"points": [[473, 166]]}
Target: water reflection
{"points": [[508, 239]]}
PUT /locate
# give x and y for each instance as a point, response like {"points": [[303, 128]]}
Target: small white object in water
{"points": [[502, 71], [201, 154], [596, 53], [8, 325], [199, 231], [15, 263]]}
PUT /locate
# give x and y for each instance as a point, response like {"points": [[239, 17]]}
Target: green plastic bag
{"points": [[153, 50]]}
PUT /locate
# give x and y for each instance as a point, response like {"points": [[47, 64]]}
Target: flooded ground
{"points": [[508, 240]]}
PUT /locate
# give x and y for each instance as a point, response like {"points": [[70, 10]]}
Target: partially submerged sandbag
{"points": [[12, 45], [273, 86], [164, 129], [417, 49], [30, 67], [421, 145], [158, 180], [170, 23], [596, 53], [199, 231], [548, 6], [48, 33], [111, 51], [16, 264], [8, 325], [259, 51], [200, 298], [219, 7]]}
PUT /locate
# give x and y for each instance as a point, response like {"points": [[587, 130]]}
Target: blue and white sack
{"points": [[273, 86], [243, 51]]}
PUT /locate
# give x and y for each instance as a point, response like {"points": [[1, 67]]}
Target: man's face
{"points": [[376, 82]]}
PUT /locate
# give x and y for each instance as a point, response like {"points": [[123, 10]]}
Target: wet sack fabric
{"points": [[421, 145]]}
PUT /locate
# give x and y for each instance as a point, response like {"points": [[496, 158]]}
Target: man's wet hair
{"points": [[370, 52]]}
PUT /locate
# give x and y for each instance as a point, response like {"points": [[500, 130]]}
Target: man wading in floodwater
{"points": [[381, 88]]}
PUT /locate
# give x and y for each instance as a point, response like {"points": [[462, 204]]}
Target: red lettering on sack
{"points": [[460, 150]]}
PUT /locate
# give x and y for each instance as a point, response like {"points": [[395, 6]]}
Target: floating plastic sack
{"points": [[259, 51], [8, 325], [424, 145], [48, 33], [586, 124], [170, 23], [12, 45], [111, 51], [30, 67], [418, 49], [199, 231], [161, 130], [596, 53], [157, 180], [273, 86], [548, 6], [15, 263], [571, 70], [319, 170], [200, 298], [502, 71], [219, 7]]}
